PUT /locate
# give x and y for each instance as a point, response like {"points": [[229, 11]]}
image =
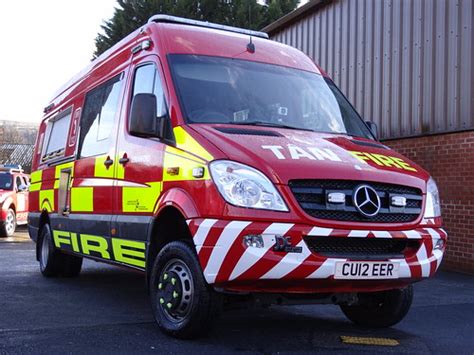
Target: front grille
{"points": [[311, 195], [362, 248]]}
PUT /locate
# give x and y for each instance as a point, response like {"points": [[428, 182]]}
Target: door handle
{"points": [[108, 162], [124, 159]]}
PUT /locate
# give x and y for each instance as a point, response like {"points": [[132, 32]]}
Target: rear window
{"points": [[56, 135]]}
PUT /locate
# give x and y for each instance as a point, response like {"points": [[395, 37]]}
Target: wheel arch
{"points": [[169, 225], [179, 199], [43, 220], [10, 203]]}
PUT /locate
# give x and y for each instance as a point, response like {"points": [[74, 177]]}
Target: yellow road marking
{"points": [[369, 341]]}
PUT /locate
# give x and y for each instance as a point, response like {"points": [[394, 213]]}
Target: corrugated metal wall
{"points": [[405, 64]]}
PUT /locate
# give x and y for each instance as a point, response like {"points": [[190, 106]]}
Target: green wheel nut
{"points": [[173, 281], [162, 300], [169, 305], [165, 276], [175, 294], [160, 286]]}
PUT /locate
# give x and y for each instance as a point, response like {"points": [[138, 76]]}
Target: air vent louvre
{"points": [[248, 132]]}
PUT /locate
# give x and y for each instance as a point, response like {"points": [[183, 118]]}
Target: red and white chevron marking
{"points": [[224, 257]]}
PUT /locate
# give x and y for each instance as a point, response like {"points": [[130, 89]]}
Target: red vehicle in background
{"points": [[13, 198], [228, 167]]}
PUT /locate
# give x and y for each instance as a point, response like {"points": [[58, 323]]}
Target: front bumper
{"points": [[227, 263]]}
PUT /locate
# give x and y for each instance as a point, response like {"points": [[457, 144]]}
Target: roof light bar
{"points": [[185, 21], [12, 168]]}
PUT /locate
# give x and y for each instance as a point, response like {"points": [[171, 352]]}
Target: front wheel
{"points": [[184, 306], [380, 309], [9, 225]]}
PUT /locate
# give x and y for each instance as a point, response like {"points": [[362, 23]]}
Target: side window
{"points": [[161, 109], [144, 79], [148, 81], [98, 117], [18, 182], [56, 135]]}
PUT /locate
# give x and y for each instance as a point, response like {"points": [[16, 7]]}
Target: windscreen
{"points": [[234, 91], [6, 182]]}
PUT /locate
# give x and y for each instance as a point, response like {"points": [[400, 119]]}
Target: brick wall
{"points": [[450, 160]]}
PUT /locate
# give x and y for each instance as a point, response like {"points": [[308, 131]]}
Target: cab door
{"points": [[21, 189], [140, 159]]}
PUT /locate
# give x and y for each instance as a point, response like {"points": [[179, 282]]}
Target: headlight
{"points": [[433, 205], [243, 186]]}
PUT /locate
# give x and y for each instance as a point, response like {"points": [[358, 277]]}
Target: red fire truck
{"points": [[228, 167], [13, 198]]}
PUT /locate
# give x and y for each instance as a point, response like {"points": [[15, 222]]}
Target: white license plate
{"points": [[366, 270]]}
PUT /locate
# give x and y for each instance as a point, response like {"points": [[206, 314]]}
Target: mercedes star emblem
{"points": [[366, 201]]}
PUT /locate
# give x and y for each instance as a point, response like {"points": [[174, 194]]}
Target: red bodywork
{"points": [[211, 220], [17, 200]]}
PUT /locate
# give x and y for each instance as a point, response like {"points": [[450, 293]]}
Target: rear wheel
{"points": [[380, 309], [184, 306], [9, 225], [52, 262]]}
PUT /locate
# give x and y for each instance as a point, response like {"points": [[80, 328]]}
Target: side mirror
{"points": [[373, 128], [143, 121], [22, 187]]}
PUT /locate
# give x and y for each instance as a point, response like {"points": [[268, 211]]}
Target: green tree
{"points": [[131, 14]]}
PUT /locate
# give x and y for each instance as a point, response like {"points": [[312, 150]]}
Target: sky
{"points": [[44, 43]]}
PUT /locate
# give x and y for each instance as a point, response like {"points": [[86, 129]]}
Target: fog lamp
{"points": [[254, 241]]}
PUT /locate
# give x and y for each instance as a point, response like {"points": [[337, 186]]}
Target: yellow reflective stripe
{"points": [[46, 199], [186, 142], [100, 170], [36, 176], [35, 186], [185, 167], [57, 172], [141, 199], [120, 173], [59, 168], [182, 153], [82, 199]]}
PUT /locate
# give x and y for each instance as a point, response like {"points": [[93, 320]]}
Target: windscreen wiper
{"points": [[269, 124]]}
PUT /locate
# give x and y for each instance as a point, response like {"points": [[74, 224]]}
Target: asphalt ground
{"points": [[106, 310]]}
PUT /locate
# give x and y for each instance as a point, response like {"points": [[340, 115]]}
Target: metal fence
{"points": [[405, 64]]}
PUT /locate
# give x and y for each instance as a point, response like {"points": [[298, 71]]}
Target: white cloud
{"points": [[43, 44]]}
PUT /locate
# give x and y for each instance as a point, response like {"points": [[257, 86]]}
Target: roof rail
{"points": [[185, 21]]}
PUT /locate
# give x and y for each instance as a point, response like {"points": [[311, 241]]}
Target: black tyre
{"points": [[8, 226], [52, 262], [184, 305], [380, 309]]}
